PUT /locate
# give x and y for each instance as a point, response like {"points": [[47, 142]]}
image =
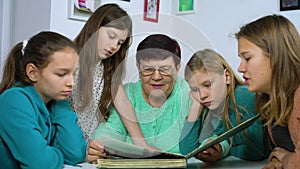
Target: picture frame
{"points": [[81, 10], [180, 7], [286, 5], [151, 10]]}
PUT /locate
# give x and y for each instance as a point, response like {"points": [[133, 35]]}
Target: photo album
{"points": [[125, 155]]}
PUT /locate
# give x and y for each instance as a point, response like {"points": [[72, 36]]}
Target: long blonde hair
{"points": [[210, 61], [280, 41]]}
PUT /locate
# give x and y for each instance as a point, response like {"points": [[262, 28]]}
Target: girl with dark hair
{"points": [[38, 129]]}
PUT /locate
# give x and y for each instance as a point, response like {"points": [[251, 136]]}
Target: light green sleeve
{"points": [[112, 128]]}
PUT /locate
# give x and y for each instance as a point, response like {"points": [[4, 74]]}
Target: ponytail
{"points": [[37, 51], [13, 70]]}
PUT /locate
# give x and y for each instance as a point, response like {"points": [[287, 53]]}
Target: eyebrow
{"points": [[63, 69], [206, 81], [143, 66], [115, 34], [243, 53]]}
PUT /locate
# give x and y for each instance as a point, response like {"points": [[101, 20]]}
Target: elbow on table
{"points": [[75, 157]]}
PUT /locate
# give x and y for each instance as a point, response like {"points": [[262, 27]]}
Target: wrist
{"points": [[140, 142], [194, 113]]}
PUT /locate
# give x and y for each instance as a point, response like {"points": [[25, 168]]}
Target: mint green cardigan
{"points": [[161, 126]]}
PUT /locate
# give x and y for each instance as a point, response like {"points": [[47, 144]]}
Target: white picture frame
{"points": [[82, 13], [181, 7]]}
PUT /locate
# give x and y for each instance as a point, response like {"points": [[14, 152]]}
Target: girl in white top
{"points": [[102, 45]]}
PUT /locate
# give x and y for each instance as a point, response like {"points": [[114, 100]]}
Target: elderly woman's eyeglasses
{"points": [[147, 71]]}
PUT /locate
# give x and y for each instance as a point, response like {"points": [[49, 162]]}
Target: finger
{"points": [[96, 150], [94, 155], [278, 165], [92, 151], [217, 147], [202, 156], [92, 159], [214, 152], [210, 150], [277, 149], [207, 157], [95, 144], [266, 167]]}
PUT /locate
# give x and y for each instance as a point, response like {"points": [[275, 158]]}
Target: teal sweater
{"points": [[161, 126], [251, 147], [33, 135]]}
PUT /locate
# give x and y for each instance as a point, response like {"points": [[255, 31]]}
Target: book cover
{"points": [[125, 155]]}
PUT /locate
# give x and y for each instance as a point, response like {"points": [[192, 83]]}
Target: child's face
{"points": [[255, 66], [110, 40], [56, 80], [209, 88]]}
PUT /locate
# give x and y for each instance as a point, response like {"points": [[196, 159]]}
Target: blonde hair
{"points": [[279, 40], [210, 61]]}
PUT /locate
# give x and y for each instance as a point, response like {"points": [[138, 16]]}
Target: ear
{"points": [[178, 67], [32, 72], [227, 76]]}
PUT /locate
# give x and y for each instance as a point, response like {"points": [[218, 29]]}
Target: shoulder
{"points": [[133, 88], [15, 94], [181, 81], [132, 85], [243, 92], [296, 105], [297, 95], [182, 84], [244, 98], [15, 100]]}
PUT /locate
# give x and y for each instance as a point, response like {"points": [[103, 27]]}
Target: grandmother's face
{"points": [[158, 77]]}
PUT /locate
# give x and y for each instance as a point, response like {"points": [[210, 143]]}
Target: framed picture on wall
{"points": [[151, 10], [82, 9], [286, 5], [183, 6]]}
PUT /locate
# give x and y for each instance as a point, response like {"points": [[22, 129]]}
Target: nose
{"points": [[70, 81], [203, 94], [114, 45], [156, 75], [242, 67]]}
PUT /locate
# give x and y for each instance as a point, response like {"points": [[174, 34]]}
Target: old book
{"points": [[125, 155]]}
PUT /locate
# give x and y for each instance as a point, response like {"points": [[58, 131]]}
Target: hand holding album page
{"points": [[125, 155]]}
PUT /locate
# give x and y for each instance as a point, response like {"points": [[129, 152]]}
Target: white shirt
{"points": [[88, 119]]}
